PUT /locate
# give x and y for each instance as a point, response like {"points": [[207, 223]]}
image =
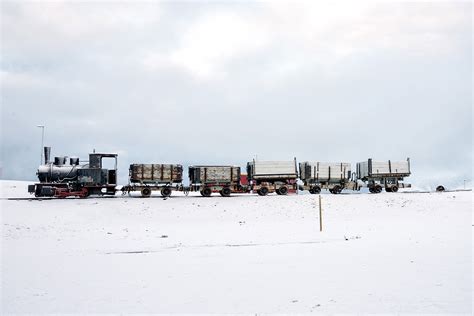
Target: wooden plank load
{"points": [[214, 174], [375, 169], [156, 173], [325, 171]]}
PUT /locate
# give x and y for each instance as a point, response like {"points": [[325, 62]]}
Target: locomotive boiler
{"points": [[59, 170]]}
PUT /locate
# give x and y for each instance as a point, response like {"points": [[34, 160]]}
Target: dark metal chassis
{"points": [[62, 190], [315, 187], [278, 186], [147, 188], [390, 183], [225, 189]]}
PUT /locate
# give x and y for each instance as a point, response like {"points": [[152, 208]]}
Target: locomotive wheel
{"points": [[166, 191], [206, 192], [146, 192], [263, 191], [394, 188], [316, 190], [86, 193], [225, 191], [282, 190]]}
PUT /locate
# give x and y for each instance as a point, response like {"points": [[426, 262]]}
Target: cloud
{"points": [[311, 34], [218, 83]]}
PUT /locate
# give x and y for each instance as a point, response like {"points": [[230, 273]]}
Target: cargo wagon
{"points": [[384, 174], [212, 179], [146, 178], [272, 176], [332, 176]]}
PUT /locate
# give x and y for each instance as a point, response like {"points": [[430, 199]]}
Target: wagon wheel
{"points": [[283, 190], [440, 188], [337, 189], [377, 189], [225, 191], [316, 190], [394, 188], [311, 190], [263, 191], [206, 192], [146, 192], [166, 191], [388, 189]]}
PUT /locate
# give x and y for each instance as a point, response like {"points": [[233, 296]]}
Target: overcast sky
{"points": [[213, 82]]}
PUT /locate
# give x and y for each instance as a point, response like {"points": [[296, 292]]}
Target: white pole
{"points": [[42, 143]]}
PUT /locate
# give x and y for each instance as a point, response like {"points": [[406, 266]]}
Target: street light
{"points": [[42, 143]]}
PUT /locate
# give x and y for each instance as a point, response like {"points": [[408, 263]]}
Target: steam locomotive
{"points": [[59, 178]]}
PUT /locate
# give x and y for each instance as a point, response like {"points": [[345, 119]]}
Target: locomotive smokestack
{"points": [[47, 154]]}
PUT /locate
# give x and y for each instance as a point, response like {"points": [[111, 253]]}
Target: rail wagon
{"points": [[384, 174], [154, 177], [222, 179], [332, 176], [272, 176]]}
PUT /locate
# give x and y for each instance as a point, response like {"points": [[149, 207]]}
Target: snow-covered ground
{"points": [[397, 253]]}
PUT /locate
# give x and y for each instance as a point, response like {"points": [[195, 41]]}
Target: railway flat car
{"points": [[154, 177], [222, 179], [272, 176], [333, 176], [384, 174]]}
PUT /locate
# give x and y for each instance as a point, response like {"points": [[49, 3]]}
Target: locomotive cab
{"points": [[96, 162], [96, 178]]}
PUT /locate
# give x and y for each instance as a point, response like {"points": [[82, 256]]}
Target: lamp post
{"points": [[42, 143]]}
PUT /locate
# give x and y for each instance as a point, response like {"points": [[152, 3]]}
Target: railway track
{"points": [[121, 196]]}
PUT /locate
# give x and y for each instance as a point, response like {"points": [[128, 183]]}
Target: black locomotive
{"points": [[63, 177]]}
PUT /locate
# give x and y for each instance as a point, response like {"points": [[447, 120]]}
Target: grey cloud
{"points": [[92, 88]]}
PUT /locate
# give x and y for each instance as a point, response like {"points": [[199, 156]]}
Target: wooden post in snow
{"points": [[320, 215]]}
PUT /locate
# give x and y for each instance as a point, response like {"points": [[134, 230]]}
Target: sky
{"points": [[224, 82]]}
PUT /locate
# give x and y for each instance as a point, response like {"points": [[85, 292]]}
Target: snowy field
{"points": [[396, 253]]}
